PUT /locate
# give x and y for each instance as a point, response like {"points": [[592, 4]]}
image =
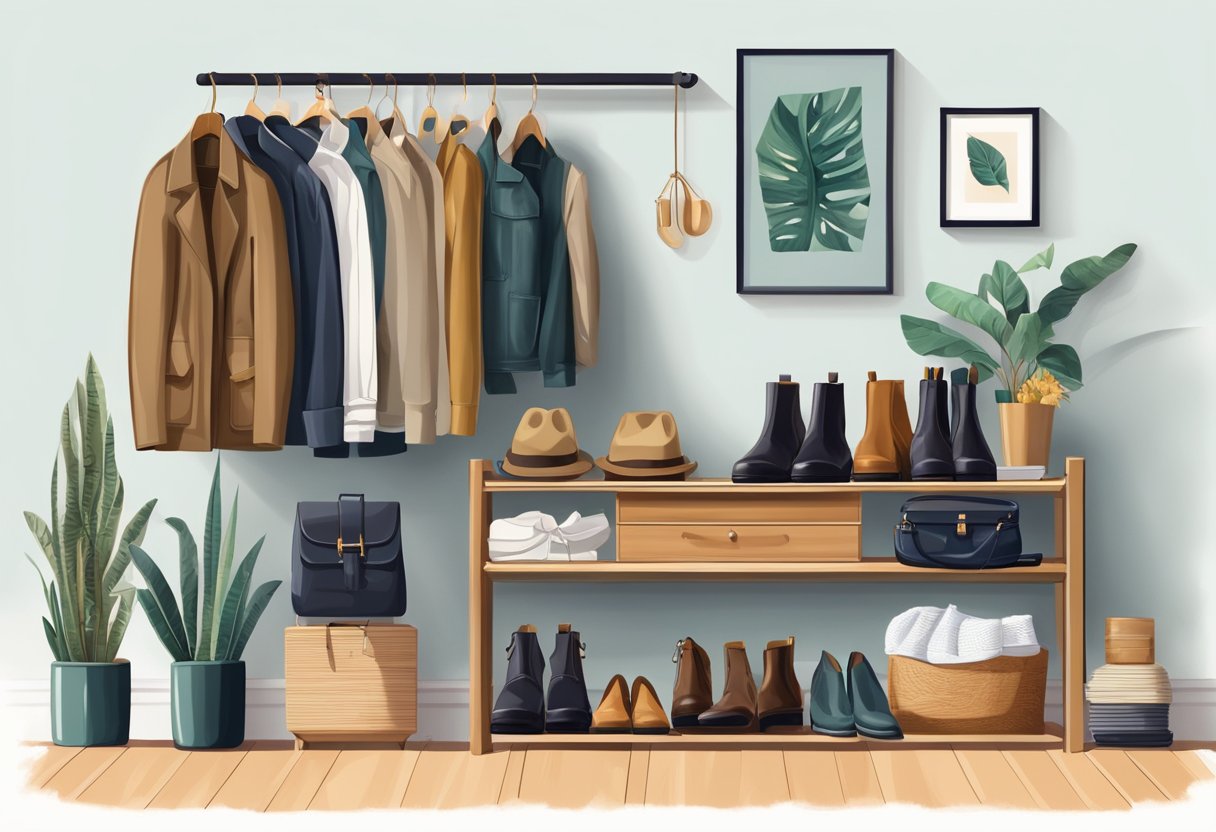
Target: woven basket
{"points": [[1004, 695]]}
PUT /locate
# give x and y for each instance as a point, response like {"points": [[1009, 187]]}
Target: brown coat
{"points": [[210, 293]]}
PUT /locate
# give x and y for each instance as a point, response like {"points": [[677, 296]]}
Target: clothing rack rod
{"points": [[417, 79]]}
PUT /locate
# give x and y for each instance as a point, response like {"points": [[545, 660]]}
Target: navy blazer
{"points": [[315, 413]]}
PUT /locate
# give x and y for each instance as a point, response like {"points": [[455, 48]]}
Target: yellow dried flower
{"points": [[1042, 388]]}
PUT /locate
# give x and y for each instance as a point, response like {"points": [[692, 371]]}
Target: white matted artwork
{"points": [[989, 167]]}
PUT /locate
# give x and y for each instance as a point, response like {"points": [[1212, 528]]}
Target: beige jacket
{"points": [[584, 268], [462, 199], [408, 345], [211, 329]]}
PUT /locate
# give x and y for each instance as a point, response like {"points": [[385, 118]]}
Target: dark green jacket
{"points": [[526, 314]]}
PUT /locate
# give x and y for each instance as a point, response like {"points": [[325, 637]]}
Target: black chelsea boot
{"points": [[825, 455], [771, 458]]}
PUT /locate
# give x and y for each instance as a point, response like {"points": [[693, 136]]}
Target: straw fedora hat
{"points": [[646, 446], [544, 447]]}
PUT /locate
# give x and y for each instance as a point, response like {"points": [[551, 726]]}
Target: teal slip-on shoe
{"points": [[831, 710], [868, 702]]}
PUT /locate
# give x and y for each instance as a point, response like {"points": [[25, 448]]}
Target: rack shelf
{"points": [[868, 569], [800, 736], [1065, 572]]}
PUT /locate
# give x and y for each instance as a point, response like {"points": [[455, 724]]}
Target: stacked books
{"points": [[1129, 702]]}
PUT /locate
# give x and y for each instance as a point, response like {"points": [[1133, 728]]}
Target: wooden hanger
{"points": [[428, 122], [281, 106], [366, 113], [490, 119], [209, 123], [529, 125], [252, 108], [322, 108], [458, 123]]}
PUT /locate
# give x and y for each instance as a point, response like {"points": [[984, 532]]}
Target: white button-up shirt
{"points": [[358, 281]]}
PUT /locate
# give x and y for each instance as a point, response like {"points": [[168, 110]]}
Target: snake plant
{"points": [[1023, 337], [89, 604], [229, 611]]}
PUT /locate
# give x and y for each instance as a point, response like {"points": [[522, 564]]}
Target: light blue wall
{"points": [[95, 94]]}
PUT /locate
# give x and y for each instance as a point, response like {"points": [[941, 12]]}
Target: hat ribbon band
{"points": [[670, 462], [541, 461]]}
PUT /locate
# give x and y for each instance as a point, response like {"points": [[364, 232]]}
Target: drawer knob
{"points": [[732, 535]]}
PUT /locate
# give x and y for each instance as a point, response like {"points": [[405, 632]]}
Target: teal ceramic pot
{"points": [[90, 703], [207, 700]]}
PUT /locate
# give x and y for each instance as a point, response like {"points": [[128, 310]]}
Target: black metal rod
{"points": [[407, 79]]}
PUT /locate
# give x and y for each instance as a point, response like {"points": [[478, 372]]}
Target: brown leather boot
{"points": [[693, 692], [882, 453], [780, 700], [737, 707]]}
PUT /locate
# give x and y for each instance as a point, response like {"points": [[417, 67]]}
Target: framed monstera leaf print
{"points": [[814, 159], [990, 167]]}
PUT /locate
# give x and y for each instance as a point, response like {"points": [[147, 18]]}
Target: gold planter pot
{"points": [[1026, 433]]}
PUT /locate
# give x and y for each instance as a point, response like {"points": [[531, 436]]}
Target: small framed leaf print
{"points": [[813, 166], [990, 167]]}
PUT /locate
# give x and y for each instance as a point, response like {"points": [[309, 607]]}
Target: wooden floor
{"points": [[271, 776]]}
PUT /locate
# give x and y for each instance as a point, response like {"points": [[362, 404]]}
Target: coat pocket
{"points": [[179, 384], [241, 378], [524, 330]]}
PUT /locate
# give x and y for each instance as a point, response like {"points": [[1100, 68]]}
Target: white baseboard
{"points": [[443, 708]]}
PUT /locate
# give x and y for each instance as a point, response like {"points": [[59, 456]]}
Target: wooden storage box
{"points": [[1131, 641], [1004, 695], [738, 527], [351, 684]]}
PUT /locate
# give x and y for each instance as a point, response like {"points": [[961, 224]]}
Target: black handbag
{"points": [[953, 532], [347, 560]]}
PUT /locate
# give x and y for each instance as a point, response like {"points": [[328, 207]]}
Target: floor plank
{"points": [[136, 777], [447, 776], [677, 777], [48, 764], [1087, 780], [199, 778], [927, 777], [302, 782], [79, 772], [256, 780], [575, 777], [762, 780], [1124, 775], [1195, 765], [367, 780], [639, 770], [509, 793], [1164, 769], [993, 780], [858, 779], [812, 777], [1043, 780]]}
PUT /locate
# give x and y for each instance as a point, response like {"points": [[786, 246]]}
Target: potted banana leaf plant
{"points": [[1036, 374], [207, 677], [88, 603]]}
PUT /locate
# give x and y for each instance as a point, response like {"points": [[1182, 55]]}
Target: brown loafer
{"points": [[648, 714], [614, 715]]}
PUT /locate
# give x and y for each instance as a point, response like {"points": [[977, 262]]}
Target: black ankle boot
{"points": [[520, 707], [931, 453], [825, 455], [771, 458], [972, 457], [569, 710]]}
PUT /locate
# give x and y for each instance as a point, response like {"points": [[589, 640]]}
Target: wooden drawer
{"points": [[352, 683], [739, 542], [738, 508]]}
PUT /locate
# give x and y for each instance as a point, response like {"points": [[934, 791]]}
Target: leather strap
{"points": [[535, 461], [350, 537]]}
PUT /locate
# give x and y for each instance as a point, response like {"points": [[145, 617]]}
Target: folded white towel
{"points": [[952, 637], [536, 536]]}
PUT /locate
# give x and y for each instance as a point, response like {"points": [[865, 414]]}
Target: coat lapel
{"points": [[225, 228], [190, 223]]}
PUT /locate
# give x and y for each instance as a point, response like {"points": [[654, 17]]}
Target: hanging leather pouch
{"points": [[347, 559], [952, 532]]}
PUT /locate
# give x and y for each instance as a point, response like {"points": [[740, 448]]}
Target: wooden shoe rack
{"points": [[714, 530]]}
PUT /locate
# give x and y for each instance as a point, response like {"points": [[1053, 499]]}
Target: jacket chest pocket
{"points": [[179, 384], [510, 244], [241, 380]]}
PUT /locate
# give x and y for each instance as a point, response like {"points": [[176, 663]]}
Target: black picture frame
{"points": [[1033, 220], [888, 286]]}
